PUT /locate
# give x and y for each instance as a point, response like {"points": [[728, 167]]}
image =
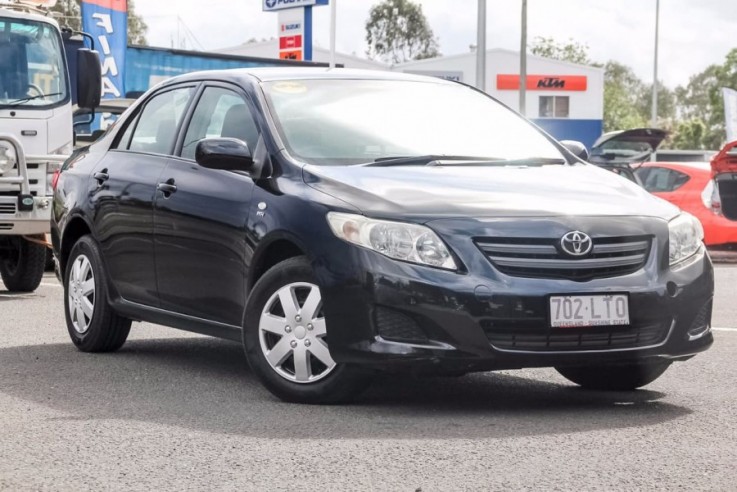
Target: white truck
{"points": [[36, 133]]}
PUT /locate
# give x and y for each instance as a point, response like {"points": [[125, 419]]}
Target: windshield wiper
{"points": [[422, 160], [455, 160], [31, 98]]}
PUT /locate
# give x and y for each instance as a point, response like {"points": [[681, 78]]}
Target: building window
{"points": [[554, 106]]}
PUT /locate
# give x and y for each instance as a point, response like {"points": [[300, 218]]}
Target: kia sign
{"points": [[270, 5], [510, 82]]}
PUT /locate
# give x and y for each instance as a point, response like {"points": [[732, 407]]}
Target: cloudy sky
{"points": [[693, 33]]}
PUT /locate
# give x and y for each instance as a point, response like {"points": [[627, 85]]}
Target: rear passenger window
{"points": [[158, 123], [662, 180]]}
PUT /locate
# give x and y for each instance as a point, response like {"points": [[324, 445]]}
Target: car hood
{"points": [[427, 193], [726, 160]]}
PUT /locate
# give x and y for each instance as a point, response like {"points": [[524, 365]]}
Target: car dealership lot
{"points": [[173, 410]]}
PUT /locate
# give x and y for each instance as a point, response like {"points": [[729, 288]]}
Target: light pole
{"points": [[333, 9], [523, 63], [481, 47], [654, 118]]}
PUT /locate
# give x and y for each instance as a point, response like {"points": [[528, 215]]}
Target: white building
{"points": [[565, 99]]}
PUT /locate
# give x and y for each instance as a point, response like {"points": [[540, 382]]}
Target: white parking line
{"points": [[50, 285], [725, 329]]}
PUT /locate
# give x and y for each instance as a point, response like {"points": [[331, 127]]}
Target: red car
{"points": [[690, 186]]}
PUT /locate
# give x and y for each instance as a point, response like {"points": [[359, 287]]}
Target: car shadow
{"points": [[205, 384]]}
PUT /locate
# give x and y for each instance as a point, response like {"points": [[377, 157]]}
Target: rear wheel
{"points": [[616, 377], [92, 324], [23, 266], [286, 340]]}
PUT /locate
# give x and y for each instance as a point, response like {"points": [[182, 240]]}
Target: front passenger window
{"points": [[220, 113], [158, 123]]}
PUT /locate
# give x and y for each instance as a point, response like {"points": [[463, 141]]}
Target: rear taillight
{"points": [[55, 179], [710, 197]]}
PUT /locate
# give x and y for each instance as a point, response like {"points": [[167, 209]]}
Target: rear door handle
{"points": [[167, 188]]}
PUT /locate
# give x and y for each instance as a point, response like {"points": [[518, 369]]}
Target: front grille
{"points": [[396, 326], [542, 258], [5, 227], [572, 339], [7, 208]]}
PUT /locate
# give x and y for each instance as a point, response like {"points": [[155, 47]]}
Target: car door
{"points": [[126, 184], [200, 215]]}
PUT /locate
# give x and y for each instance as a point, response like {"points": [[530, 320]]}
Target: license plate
{"points": [[589, 310]]}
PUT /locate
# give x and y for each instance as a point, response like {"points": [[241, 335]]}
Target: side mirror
{"points": [[227, 154], [576, 148], [89, 79]]}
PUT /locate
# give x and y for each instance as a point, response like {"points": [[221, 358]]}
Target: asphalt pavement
{"points": [[176, 411]]}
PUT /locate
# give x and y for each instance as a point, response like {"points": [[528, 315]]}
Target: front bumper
{"points": [[481, 319], [17, 223]]}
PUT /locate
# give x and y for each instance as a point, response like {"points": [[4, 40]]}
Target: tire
{"points": [[616, 377], [49, 266], [301, 368], [92, 324], [23, 269]]}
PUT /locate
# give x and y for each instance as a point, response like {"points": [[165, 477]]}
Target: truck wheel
{"points": [[92, 324], [286, 340], [23, 268], [616, 377]]}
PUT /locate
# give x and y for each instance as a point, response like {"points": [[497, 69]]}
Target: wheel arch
{"points": [[75, 229], [271, 250]]}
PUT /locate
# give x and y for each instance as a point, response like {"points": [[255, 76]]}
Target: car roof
{"points": [[698, 166], [269, 74]]}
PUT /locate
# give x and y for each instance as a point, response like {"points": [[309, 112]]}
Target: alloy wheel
{"points": [[293, 335], [81, 293]]}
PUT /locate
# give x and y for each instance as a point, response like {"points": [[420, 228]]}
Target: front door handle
{"points": [[101, 177], [167, 188]]}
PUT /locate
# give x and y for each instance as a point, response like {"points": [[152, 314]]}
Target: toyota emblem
{"points": [[576, 243]]}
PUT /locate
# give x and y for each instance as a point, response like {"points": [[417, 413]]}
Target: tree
{"points": [[398, 31], [572, 51], [689, 135], [69, 13], [701, 99]]}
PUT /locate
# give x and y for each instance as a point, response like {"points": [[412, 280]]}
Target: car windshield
{"points": [[348, 121], [32, 69]]}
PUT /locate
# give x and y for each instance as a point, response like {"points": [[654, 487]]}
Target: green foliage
{"points": [[69, 13], [398, 31], [690, 134], [701, 99], [571, 51]]}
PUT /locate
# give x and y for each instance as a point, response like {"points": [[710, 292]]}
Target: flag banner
{"points": [[107, 22], [730, 113]]}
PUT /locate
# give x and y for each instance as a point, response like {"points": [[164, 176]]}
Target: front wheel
{"points": [[286, 341], [615, 377], [23, 268], [92, 324]]}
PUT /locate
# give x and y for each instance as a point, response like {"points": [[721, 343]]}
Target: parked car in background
{"points": [[619, 151], [724, 173], [689, 186], [343, 222]]}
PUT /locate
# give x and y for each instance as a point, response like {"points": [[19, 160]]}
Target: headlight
{"points": [[684, 238], [407, 242], [7, 157]]}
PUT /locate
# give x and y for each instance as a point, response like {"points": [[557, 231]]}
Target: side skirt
{"points": [[158, 316]]}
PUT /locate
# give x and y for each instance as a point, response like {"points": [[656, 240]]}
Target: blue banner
{"points": [[107, 22]]}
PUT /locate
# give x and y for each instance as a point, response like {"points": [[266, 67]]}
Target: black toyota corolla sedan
{"points": [[341, 223]]}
